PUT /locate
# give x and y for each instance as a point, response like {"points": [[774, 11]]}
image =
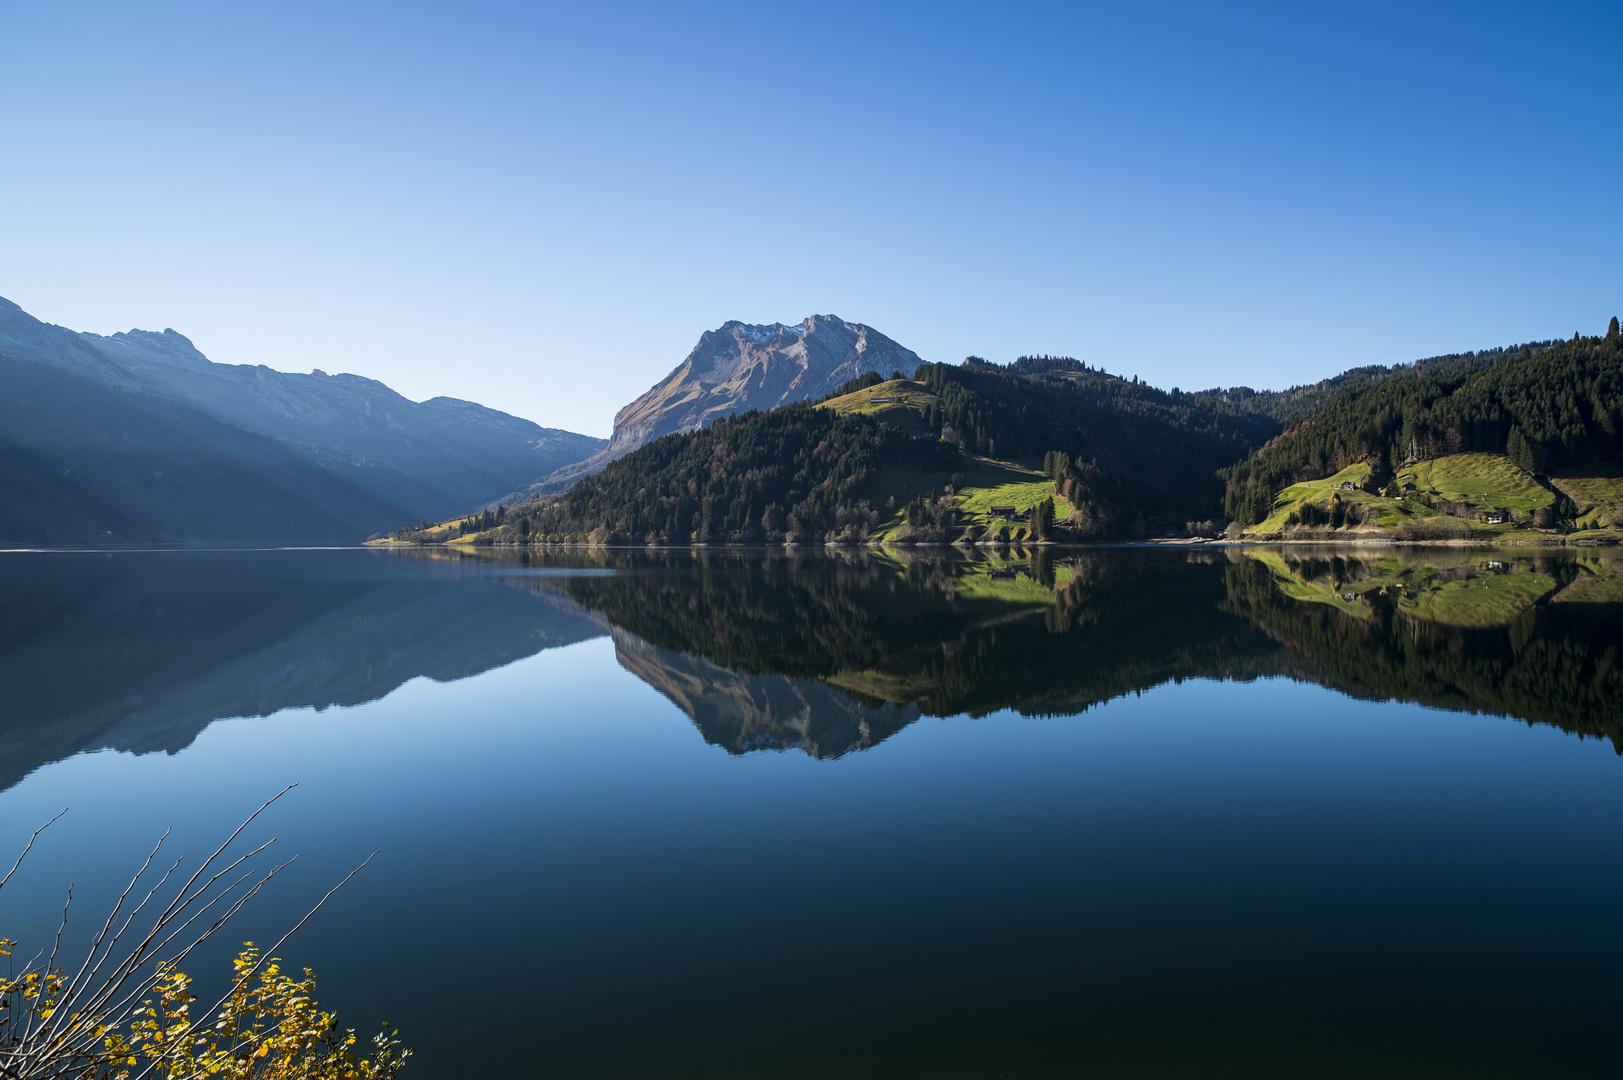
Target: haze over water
{"points": [[1127, 812]]}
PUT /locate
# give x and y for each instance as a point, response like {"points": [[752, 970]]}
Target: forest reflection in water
{"points": [[751, 648], [823, 652]]}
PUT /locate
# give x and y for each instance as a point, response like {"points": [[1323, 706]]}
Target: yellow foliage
{"points": [[270, 1028]]}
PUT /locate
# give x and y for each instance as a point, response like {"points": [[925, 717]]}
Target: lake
{"points": [[1204, 812]]}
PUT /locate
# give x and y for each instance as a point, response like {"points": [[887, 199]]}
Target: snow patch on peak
{"points": [[762, 334]]}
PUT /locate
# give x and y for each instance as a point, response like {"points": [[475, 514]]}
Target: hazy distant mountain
{"points": [[346, 456], [739, 367], [84, 462]]}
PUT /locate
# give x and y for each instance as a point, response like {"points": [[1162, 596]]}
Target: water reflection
{"points": [[141, 651], [1532, 638], [816, 652]]}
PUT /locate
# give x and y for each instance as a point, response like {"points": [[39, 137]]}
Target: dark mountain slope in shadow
{"points": [[91, 463]]}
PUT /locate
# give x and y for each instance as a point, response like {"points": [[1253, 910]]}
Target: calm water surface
{"points": [[1122, 813]]}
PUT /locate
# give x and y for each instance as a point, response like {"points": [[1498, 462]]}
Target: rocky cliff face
{"points": [[739, 367]]}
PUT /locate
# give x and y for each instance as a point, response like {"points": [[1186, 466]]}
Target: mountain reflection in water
{"points": [[826, 653]]}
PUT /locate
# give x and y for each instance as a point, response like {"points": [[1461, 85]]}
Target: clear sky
{"points": [[542, 207]]}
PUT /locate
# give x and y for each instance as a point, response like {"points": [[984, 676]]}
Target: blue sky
{"points": [[542, 207]]}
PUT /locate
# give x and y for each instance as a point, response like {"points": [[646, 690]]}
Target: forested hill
{"points": [[1549, 409], [796, 472], [1145, 450]]}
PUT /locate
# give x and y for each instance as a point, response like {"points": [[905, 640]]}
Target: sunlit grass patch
{"points": [[1320, 492], [897, 395], [1484, 481], [985, 485]]}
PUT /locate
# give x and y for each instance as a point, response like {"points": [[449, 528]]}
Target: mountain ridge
{"points": [[140, 437]]}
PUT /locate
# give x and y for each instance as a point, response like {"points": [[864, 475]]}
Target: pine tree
{"points": [[1517, 449], [1611, 331]]}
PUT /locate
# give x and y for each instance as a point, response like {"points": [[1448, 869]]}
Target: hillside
{"points": [[418, 459], [458, 452], [1135, 453], [1459, 445], [735, 368]]}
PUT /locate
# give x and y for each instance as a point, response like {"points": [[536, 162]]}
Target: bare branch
{"points": [[29, 847]]}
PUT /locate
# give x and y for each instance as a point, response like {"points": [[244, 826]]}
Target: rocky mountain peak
{"points": [[741, 366]]}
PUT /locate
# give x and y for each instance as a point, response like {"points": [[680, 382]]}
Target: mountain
{"points": [[140, 436], [461, 453], [739, 367], [84, 462]]}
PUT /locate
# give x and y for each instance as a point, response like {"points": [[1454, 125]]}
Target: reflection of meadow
{"points": [[1537, 639], [1465, 589]]}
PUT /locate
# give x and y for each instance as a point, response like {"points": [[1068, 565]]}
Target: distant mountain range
{"points": [[140, 437], [733, 369]]}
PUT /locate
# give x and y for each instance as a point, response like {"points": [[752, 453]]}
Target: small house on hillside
{"points": [[1493, 517], [879, 401], [1002, 511], [1348, 485]]}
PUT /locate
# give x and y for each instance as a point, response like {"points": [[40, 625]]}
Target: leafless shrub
{"points": [[54, 1022]]}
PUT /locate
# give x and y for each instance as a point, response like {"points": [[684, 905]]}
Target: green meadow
{"points": [[1485, 481]]}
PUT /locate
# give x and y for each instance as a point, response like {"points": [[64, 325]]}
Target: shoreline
{"points": [[1541, 543]]}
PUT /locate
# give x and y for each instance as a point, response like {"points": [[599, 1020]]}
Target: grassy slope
{"points": [[1486, 481], [904, 403], [1318, 491], [986, 483], [1482, 481]]}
